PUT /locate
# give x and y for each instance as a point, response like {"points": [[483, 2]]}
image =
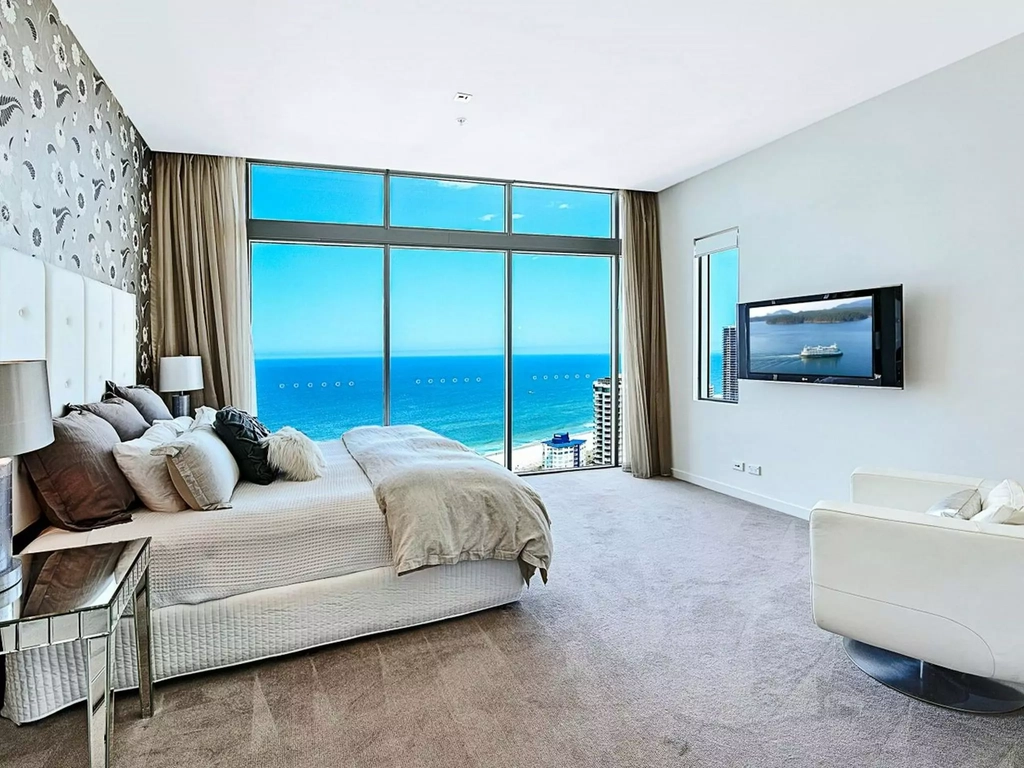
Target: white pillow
{"points": [[201, 467], [147, 474], [963, 505], [204, 416], [294, 454], [180, 425], [1004, 504]]}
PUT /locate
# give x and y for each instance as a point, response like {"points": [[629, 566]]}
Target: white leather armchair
{"points": [[942, 591]]}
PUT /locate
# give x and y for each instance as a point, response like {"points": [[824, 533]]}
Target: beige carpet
{"points": [[675, 631]]}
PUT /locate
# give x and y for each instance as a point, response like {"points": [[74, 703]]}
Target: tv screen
{"points": [[831, 337], [853, 337]]}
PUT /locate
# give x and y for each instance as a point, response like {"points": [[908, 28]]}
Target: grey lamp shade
{"points": [[26, 422], [181, 374]]}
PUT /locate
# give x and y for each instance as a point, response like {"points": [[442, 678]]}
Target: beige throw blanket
{"points": [[445, 504]]}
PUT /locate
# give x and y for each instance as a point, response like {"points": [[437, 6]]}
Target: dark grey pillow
{"points": [[242, 434], [76, 478], [120, 414], [149, 403]]}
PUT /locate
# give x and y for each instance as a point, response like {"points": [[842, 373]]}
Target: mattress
{"points": [[269, 622], [272, 536]]}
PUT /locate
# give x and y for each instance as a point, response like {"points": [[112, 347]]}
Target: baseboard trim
{"points": [[742, 493]]}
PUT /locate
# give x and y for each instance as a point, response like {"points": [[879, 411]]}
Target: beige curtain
{"points": [[646, 420], [201, 301]]}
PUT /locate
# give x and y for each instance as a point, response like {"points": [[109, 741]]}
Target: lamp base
{"points": [[10, 567], [181, 405]]}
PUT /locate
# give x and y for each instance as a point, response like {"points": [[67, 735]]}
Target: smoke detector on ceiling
{"points": [[460, 96]]}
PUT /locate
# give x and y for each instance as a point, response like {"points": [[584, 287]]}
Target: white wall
{"points": [[923, 186]]}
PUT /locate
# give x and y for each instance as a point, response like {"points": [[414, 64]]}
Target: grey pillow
{"points": [[201, 467], [149, 403], [76, 478], [962, 505], [120, 414]]}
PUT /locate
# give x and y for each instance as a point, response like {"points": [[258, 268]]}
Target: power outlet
{"points": [[754, 469], [739, 466]]}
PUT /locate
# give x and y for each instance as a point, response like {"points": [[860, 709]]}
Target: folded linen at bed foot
{"points": [[444, 503]]}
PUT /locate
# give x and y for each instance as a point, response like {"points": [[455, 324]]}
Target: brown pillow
{"points": [[76, 477], [120, 414], [149, 403]]}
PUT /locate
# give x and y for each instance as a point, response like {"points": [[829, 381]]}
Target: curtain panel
{"points": [[648, 448], [201, 300]]}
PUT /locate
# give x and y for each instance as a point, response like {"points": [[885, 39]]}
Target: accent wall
{"points": [[75, 174], [923, 186]]}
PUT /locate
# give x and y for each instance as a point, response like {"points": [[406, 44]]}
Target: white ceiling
{"points": [[618, 93]]}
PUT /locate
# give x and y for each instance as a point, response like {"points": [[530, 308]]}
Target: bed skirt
{"points": [[262, 624]]}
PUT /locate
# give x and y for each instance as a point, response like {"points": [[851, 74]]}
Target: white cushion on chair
{"points": [[962, 504], [1004, 504]]}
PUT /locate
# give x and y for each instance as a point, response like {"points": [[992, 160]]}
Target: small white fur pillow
{"points": [[294, 454], [1005, 504]]}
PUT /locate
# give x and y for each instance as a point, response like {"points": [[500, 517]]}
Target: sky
{"points": [[326, 300]]}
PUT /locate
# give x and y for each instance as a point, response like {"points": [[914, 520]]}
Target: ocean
{"points": [[461, 397]]}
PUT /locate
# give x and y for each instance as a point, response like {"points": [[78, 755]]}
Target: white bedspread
{"points": [[273, 535]]}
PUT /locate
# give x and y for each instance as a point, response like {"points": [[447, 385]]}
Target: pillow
{"points": [[1005, 514], [294, 454], [1004, 504], [201, 467], [1008, 492], [148, 474], [180, 424], [205, 415], [120, 414], [148, 402], [242, 433], [962, 504], [76, 478]]}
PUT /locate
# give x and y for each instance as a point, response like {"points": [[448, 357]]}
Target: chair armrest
{"points": [[900, 489], [928, 587]]}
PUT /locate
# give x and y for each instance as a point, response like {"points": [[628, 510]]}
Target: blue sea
{"points": [[459, 397]]}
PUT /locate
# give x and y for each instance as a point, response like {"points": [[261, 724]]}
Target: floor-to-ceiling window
{"points": [[487, 311]]}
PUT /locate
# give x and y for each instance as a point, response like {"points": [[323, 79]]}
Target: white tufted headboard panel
{"points": [[85, 331]]}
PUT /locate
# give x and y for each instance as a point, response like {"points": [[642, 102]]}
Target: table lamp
{"points": [[26, 424], [181, 375]]}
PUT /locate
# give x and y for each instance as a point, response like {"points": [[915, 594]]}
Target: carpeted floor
{"points": [[675, 631]]}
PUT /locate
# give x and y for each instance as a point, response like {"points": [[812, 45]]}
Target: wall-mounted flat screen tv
{"points": [[851, 337]]}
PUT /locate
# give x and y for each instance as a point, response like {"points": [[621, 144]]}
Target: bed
{"points": [[288, 567]]}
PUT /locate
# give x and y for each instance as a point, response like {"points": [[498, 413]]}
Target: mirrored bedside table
{"points": [[81, 594]]}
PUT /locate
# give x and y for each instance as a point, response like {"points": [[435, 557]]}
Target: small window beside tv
{"points": [[850, 337]]}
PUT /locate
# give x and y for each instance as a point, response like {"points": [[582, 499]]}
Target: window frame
{"points": [[388, 237], [704, 250]]}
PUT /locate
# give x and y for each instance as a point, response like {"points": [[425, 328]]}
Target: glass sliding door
{"points": [[317, 326], [447, 344], [561, 361]]}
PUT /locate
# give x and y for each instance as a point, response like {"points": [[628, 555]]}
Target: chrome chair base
{"points": [[932, 684]]}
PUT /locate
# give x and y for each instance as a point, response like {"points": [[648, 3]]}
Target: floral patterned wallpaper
{"points": [[75, 175]]}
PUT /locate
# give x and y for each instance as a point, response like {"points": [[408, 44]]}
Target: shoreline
{"points": [[531, 455]]}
